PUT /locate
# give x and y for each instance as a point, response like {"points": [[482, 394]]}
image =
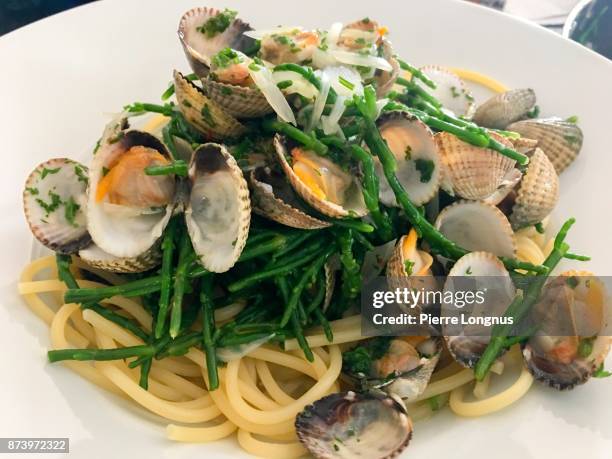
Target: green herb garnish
{"points": [[218, 24], [47, 171], [426, 168], [70, 210]]}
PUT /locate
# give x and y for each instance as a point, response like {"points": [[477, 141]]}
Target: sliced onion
{"points": [[322, 59], [362, 60], [330, 123], [319, 104], [262, 77], [349, 74], [380, 104], [259, 34], [334, 34], [300, 84]]}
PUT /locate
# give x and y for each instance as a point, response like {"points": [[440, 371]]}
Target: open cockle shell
{"points": [[524, 145], [353, 205], [474, 172], [218, 213], [538, 192], [203, 113], [98, 258], [505, 108], [238, 101], [416, 155], [410, 267], [54, 200], [467, 346], [475, 225], [450, 90], [386, 79], [273, 197], [126, 231], [572, 308], [559, 139], [350, 425], [200, 48]]}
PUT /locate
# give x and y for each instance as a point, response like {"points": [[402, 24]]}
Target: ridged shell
{"points": [[96, 257], [524, 145], [450, 90], [386, 79], [538, 192], [65, 179], [505, 108], [409, 139], [218, 213], [464, 348], [120, 235], [421, 277], [238, 101], [202, 113], [474, 173], [560, 140], [273, 197], [199, 49], [354, 425], [476, 225], [354, 206], [558, 375]]}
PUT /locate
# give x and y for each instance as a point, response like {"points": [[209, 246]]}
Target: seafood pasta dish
{"points": [[207, 261]]}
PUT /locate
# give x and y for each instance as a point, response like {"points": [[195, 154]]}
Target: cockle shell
{"points": [[559, 139], [353, 425], [123, 231], [386, 79], [450, 90], [474, 172], [273, 197], [505, 108], [98, 258], [523, 144], [569, 311], [199, 48], [218, 213], [205, 115], [353, 205], [476, 225], [238, 101], [410, 140], [60, 184], [538, 192], [466, 344]]}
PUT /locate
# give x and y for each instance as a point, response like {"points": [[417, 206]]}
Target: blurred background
{"points": [[588, 21]]}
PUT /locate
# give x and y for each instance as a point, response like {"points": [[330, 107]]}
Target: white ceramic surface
{"points": [[61, 77]]}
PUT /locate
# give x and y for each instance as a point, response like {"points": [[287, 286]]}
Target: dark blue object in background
{"points": [[17, 13]]}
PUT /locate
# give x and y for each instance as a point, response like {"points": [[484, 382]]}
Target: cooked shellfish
{"points": [[218, 212], [54, 201], [450, 90], [505, 108]]}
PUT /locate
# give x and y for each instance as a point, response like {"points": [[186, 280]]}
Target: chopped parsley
{"points": [[70, 210], [284, 84], [408, 267], [207, 116], [534, 112], [225, 58], [539, 228], [585, 347], [187, 104], [117, 138], [218, 24], [572, 140], [468, 96], [52, 205], [227, 91], [32, 191], [283, 40], [254, 67], [105, 171], [97, 147], [45, 171], [601, 373], [572, 282], [361, 41], [81, 173], [346, 83], [366, 20], [572, 119], [454, 92], [408, 153], [425, 168], [359, 360], [468, 271], [435, 402]]}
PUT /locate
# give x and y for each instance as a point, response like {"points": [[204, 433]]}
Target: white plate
{"points": [[59, 77]]}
